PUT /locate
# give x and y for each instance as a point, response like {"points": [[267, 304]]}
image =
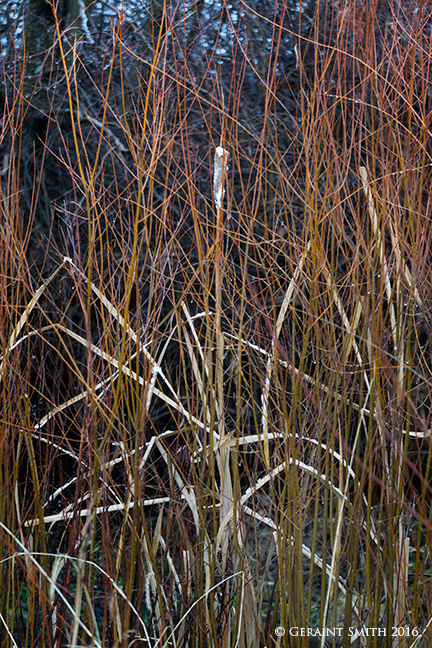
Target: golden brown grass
{"points": [[216, 409]]}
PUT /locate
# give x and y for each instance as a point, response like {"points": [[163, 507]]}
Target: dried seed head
{"points": [[220, 170]]}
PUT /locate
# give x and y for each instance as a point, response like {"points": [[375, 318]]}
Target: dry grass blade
{"points": [[288, 296], [23, 320]]}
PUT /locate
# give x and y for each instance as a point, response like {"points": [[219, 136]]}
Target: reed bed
{"points": [[215, 329]]}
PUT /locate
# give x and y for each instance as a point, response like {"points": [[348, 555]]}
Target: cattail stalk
{"points": [[223, 453]]}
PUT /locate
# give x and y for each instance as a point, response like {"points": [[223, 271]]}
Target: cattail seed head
{"points": [[220, 170]]}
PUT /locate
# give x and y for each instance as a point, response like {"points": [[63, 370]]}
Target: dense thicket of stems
{"points": [[215, 324]]}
